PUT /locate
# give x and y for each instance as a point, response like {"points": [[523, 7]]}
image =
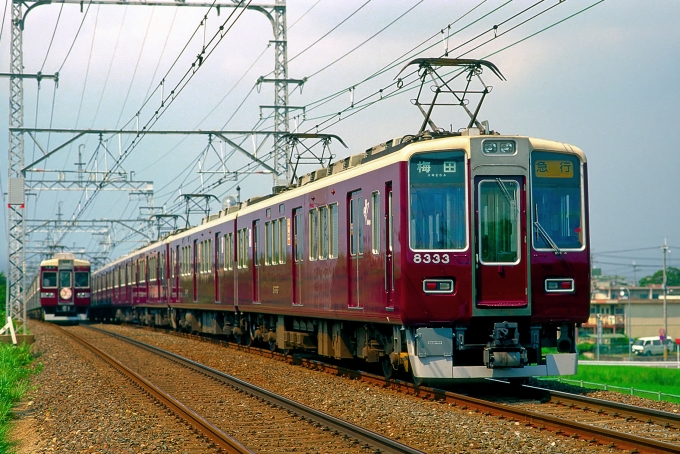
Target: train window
{"points": [[268, 243], [375, 223], [333, 235], [297, 234], [282, 240], [276, 241], [313, 234], [82, 279], [282, 208], [499, 221], [437, 201], [360, 227], [323, 232], [64, 279], [49, 279], [228, 252], [556, 195]]}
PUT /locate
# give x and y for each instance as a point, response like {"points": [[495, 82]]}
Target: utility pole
{"points": [[16, 258], [664, 248]]}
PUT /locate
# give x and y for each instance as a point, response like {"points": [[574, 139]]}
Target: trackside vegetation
{"points": [[15, 369], [626, 377]]}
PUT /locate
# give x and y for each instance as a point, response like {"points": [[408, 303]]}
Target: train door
{"points": [[219, 252], [297, 247], [355, 245], [501, 273], [194, 269], [389, 252], [256, 261]]}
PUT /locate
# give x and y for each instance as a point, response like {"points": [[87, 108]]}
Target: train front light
{"points": [[47, 295], [82, 295]]}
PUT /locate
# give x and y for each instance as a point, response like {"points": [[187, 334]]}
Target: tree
{"points": [[672, 277]]}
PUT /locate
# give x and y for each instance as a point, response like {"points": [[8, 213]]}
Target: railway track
{"points": [[601, 422], [235, 415]]}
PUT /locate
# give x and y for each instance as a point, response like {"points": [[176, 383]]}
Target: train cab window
{"points": [[64, 279], [499, 221], [437, 200], [556, 197], [49, 279], [82, 279]]}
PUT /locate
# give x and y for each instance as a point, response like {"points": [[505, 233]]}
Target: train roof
{"points": [[391, 151], [54, 261]]}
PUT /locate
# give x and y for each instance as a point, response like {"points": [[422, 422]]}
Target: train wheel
{"points": [[388, 370]]}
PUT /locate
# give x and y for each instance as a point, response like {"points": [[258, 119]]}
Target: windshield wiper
{"points": [[506, 193], [545, 235]]}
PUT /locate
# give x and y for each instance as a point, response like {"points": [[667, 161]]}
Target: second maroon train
{"points": [[454, 256]]}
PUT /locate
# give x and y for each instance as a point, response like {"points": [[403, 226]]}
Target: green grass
{"points": [[15, 368], [641, 378]]}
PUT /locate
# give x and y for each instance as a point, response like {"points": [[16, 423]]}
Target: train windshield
{"points": [[437, 215], [64, 279], [556, 197], [82, 279], [49, 279]]}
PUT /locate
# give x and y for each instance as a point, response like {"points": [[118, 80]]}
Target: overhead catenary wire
{"points": [[184, 80]]}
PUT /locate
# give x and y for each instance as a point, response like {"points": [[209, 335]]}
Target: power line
{"points": [[329, 32]]}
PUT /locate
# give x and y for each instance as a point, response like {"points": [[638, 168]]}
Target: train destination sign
{"points": [[553, 169]]}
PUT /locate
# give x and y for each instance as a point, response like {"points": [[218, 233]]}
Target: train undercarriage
{"points": [[483, 349]]}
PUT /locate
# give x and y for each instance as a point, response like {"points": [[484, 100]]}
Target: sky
{"points": [[598, 75]]}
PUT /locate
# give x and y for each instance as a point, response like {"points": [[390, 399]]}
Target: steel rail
{"points": [[619, 409], [530, 418], [215, 435], [380, 443]]}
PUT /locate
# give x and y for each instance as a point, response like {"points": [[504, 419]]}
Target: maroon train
{"points": [[455, 256], [60, 292]]}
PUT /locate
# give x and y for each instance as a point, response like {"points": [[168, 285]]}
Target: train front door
{"points": [[355, 245], [501, 267]]}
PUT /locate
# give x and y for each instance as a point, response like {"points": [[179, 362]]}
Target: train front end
{"points": [[65, 291], [496, 268]]}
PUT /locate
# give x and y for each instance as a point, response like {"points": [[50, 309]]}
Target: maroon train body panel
{"points": [[458, 257]]}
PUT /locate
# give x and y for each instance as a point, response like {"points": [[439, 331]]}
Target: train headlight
{"points": [[82, 295], [47, 295], [499, 147], [559, 285]]}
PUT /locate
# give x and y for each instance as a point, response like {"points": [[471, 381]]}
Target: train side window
{"points": [[268, 243], [360, 227], [276, 241], [49, 279], [313, 234], [375, 223], [297, 235], [323, 232], [333, 234], [282, 241], [82, 279]]}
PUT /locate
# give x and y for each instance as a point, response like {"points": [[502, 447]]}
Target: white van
{"points": [[652, 346]]}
